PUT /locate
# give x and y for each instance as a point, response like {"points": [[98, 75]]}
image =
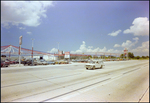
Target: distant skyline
{"points": [[78, 26]]}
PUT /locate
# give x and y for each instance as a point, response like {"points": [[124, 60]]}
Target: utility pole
{"points": [[32, 51], [58, 50], [20, 43]]}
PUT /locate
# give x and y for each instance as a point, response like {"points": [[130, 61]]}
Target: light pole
{"points": [[58, 50], [20, 43], [32, 51]]}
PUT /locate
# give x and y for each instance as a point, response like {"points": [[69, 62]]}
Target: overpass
{"points": [[14, 51]]}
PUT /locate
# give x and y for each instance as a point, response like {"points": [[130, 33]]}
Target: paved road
{"points": [[118, 81]]}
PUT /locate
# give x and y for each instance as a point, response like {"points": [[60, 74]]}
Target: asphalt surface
{"points": [[117, 81]]}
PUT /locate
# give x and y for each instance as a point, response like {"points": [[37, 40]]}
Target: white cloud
{"points": [[84, 49], [103, 50], [53, 50], [136, 38], [21, 28], [116, 45], [111, 50], [142, 50], [126, 44], [28, 13], [29, 32], [140, 27], [90, 47], [114, 33]]}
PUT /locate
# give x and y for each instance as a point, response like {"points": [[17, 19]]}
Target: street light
{"points": [[20, 43], [58, 50], [32, 50]]}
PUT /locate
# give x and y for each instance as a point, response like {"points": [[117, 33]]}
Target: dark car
{"points": [[4, 64], [7, 62], [23, 62], [51, 62], [29, 62], [10, 61]]}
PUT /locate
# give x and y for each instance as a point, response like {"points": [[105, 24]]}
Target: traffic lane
{"points": [[16, 78], [57, 72], [11, 93], [28, 76], [32, 82], [89, 82], [120, 64], [127, 88], [45, 80], [69, 84], [45, 73], [45, 67]]}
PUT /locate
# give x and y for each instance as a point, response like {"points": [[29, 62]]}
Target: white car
{"points": [[95, 64], [41, 62]]}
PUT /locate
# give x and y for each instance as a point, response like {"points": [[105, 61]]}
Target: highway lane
{"points": [[55, 83]]}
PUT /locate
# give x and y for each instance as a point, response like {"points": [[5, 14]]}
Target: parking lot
{"points": [[117, 81]]}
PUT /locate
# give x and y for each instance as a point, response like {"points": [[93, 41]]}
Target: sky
{"points": [[77, 26]]}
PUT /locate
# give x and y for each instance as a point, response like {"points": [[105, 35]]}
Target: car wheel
{"points": [[87, 68]]}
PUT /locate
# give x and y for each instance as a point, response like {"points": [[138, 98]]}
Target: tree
{"points": [[89, 56], [122, 55], [137, 57], [130, 55], [143, 57]]}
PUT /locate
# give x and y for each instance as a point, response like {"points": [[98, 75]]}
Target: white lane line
{"points": [[75, 90], [131, 70], [39, 80]]}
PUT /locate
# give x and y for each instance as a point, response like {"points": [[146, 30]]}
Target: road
{"points": [[117, 81]]}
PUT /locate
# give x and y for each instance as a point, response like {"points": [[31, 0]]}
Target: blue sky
{"points": [[78, 26]]}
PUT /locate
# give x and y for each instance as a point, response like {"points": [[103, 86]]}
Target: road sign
{"points": [[67, 54], [125, 51]]}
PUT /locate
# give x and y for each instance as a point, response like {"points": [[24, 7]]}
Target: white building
{"points": [[50, 57]]}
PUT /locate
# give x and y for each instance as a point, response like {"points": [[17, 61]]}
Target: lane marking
{"points": [[143, 95], [131, 70], [75, 90], [39, 80]]}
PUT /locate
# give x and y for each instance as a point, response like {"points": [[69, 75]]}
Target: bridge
{"points": [[14, 51]]}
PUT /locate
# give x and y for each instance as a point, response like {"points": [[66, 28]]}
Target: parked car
{"points": [[51, 62], [94, 64], [29, 62], [7, 62], [23, 62], [10, 61], [42, 62], [16, 61], [4, 64]]}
